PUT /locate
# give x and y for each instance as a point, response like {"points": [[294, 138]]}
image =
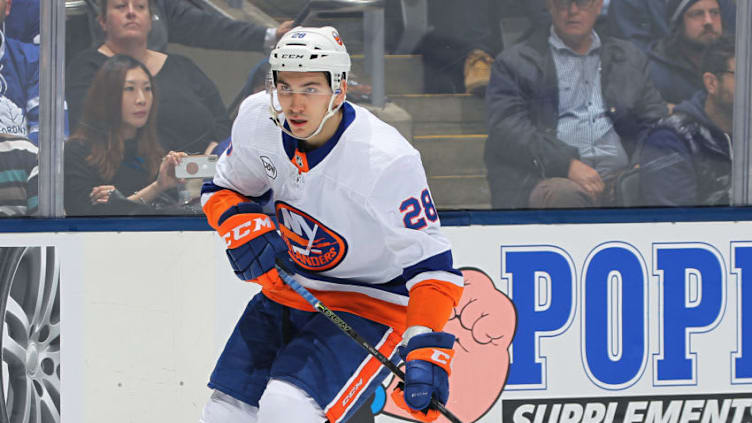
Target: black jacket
{"points": [[686, 159], [523, 107], [675, 77]]}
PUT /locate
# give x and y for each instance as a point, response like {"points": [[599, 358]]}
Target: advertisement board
{"points": [[587, 323], [615, 322]]}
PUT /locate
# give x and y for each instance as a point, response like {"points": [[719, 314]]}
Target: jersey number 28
{"points": [[414, 210]]}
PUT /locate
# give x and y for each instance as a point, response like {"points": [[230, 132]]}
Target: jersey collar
{"points": [[308, 160]]}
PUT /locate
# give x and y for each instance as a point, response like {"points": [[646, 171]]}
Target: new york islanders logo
{"points": [[313, 246], [337, 38]]}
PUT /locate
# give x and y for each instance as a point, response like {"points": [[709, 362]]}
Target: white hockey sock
{"points": [[285, 402], [222, 408]]}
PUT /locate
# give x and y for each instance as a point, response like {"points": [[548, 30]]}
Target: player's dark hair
{"points": [[102, 119], [717, 55]]}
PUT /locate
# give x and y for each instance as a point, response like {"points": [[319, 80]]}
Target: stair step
{"points": [[460, 192], [442, 107], [455, 169], [403, 74], [449, 128], [350, 28], [452, 155]]}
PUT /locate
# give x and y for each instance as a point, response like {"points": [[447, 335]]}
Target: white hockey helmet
{"points": [[309, 49]]}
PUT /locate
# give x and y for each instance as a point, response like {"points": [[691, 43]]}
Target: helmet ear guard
{"points": [[308, 49]]}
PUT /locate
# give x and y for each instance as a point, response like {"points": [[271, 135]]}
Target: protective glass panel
{"points": [[512, 104]]}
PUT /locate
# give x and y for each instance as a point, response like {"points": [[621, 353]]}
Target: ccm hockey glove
{"points": [[253, 244], [427, 367]]}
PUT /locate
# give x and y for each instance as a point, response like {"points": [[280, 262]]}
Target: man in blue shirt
{"points": [[565, 108]]}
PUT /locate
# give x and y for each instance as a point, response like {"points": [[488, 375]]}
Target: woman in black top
{"points": [[192, 118], [114, 164]]}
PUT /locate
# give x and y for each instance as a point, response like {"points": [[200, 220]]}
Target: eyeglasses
{"points": [[728, 71], [566, 4], [285, 91]]}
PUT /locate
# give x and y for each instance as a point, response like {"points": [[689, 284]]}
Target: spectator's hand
{"points": [[587, 177], [166, 178], [210, 147], [283, 28], [670, 108], [101, 194]]}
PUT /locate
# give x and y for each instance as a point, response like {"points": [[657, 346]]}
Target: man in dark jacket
{"points": [[564, 109], [675, 59], [686, 159], [644, 21]]}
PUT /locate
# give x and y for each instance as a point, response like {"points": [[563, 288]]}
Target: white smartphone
{"points": [[198, 166]]}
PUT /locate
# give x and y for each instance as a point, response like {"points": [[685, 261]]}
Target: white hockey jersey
{"points": [[356, 213]]}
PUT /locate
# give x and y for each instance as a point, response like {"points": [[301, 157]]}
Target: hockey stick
{"points": [[321, 308]]}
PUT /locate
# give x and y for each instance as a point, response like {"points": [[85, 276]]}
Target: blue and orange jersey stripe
{"points": [[369, 370], [219, 202]]}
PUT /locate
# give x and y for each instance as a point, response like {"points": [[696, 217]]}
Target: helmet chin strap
{"points": [[276, 112]]}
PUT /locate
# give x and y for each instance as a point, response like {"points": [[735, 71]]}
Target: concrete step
{"points": [[449, 128], [455, 169], [460, 192], [452, 155], [442, 107], [403, 74]]}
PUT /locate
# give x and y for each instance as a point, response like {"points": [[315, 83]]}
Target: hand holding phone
{"points": [[197, 166]]}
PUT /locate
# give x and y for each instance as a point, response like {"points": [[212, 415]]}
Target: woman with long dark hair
{"points": [[114, 163], [193, 117]]}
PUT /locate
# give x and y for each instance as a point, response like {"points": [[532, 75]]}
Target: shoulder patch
{"points": [[269, 168]]}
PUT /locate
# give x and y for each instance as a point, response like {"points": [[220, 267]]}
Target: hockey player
{"points": [[360, 230]]}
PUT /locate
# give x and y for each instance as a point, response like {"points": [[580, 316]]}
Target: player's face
{"points": [[126, 20], [702, 22], [304, 97], [137, 100]]}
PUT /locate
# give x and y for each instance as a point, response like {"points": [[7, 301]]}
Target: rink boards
{"points": [[611, 322]]}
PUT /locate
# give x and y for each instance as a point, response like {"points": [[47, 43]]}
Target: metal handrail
{"points": [[741, 188]]}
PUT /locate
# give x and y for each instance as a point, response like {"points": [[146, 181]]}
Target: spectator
{"points": [[675, 59], [538, 17], [19, 84], [459, 50], [22, 23], [113, 162], [18, 176], [192, 115], [565, 108], [686, 159], [643, 22], [183, 22]]}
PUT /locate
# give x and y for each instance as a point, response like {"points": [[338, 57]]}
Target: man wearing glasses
{"points": [[686, 160], [565, 108], [675, 59]]}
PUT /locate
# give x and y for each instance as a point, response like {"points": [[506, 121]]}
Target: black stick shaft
{"points": [[334, 318]]}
